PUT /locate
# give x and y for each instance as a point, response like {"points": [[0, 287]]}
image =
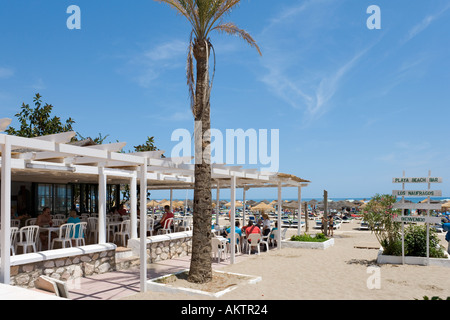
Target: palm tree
{"points": [[204, 16]]}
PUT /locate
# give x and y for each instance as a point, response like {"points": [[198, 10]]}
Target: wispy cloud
{"points": [[38, 85], [314, 84], [6, 73], [424, 24], [149, 65]]}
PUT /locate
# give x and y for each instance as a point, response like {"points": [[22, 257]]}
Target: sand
{"points": [[347, 271]]}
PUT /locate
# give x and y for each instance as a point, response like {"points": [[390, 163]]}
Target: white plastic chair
{"points": [[166, 227], [30, 222], [57, 222], [13, 238], [253, 240], [237, 243], [185, 224], [15, 223], [125, 227], [84, 216], [92, 227], [59, 216], [65, 230], [79, 231], [150, 225], [218, 248], [28, 237], [265, 240]]}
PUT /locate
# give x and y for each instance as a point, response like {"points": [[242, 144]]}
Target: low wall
{"points": [[307, 244], [164, 247], [62, 264], [72, 263], [386, 259]]}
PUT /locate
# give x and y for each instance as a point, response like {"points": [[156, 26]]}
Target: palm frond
{"points": [[232, 29]]}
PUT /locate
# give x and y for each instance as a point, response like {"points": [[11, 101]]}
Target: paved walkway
{"points": [[119, 284]]}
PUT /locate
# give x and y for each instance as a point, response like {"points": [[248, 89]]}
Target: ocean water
{"points": [[412, 199]]}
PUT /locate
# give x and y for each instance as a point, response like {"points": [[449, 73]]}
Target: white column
{"points": [[233, 218], [243, 209], [133, 207], [101, 205], [171, 197], [279, 216], [5, 263], [218, 203], [299, 199], [143, 228]]}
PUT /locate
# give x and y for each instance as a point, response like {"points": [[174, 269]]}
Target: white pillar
{"points": [[133, 207], [299, 199], [233, 218], [171, 196], [243, 209], [218, 204], [101, 205], [143, 228], [5, 263], [279, 216]]}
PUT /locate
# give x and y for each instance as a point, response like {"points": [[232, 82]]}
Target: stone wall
{"points": [[164, 247], [170, 249], [66, 268]]}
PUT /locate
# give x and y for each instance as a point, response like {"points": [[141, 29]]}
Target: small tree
{"points": [[37, 121], [379, 215]]}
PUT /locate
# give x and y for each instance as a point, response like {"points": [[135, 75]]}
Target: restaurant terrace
{"points": [[53, 159]]}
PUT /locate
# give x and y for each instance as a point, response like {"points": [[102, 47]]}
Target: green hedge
{"points": [[320, 237]]}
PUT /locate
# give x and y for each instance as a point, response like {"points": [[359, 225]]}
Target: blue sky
{"points": [[354, 107]]}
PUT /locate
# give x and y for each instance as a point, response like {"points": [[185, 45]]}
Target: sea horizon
{"points": [[412, 199]]}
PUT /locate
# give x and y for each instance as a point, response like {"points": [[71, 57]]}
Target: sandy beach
{"points": [[344, 271]]}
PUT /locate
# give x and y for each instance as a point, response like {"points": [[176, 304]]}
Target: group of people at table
{"points": [[262, 227], [45, 220]]}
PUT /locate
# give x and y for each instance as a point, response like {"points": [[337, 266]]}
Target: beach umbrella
{"points": [[262, 207], [163, 203], [446, 205], [152, 204], [290, 205], [178, 203], [236, 204]]}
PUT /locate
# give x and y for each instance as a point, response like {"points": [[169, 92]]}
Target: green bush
{"points": [[416, 242], [320, 237]]}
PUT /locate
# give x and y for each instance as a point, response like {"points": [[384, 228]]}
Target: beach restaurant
{"points": [[94, 172]]}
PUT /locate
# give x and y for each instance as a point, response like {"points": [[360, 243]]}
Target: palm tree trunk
{"points": [[200, 268]]}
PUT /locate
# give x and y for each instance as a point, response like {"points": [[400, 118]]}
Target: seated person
{"points": [[160, 224], [237, 230], [272, 236], [251, 228], [266, 224], [73, 219], [122, 211], [43, 220]]}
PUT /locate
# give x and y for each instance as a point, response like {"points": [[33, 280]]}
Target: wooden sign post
{"points": [[410, 206], [325, 211]]}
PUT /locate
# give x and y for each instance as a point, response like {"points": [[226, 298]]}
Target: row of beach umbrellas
{"points": [[265, 205]]}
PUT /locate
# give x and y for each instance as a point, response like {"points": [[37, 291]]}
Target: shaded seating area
{"points": [[53, 159]]}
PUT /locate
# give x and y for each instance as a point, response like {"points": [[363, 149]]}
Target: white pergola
{"points": [[53, 159]]}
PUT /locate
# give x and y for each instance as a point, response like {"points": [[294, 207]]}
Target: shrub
{"points": [[416, 242], [320, 237], [379, 215]]}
